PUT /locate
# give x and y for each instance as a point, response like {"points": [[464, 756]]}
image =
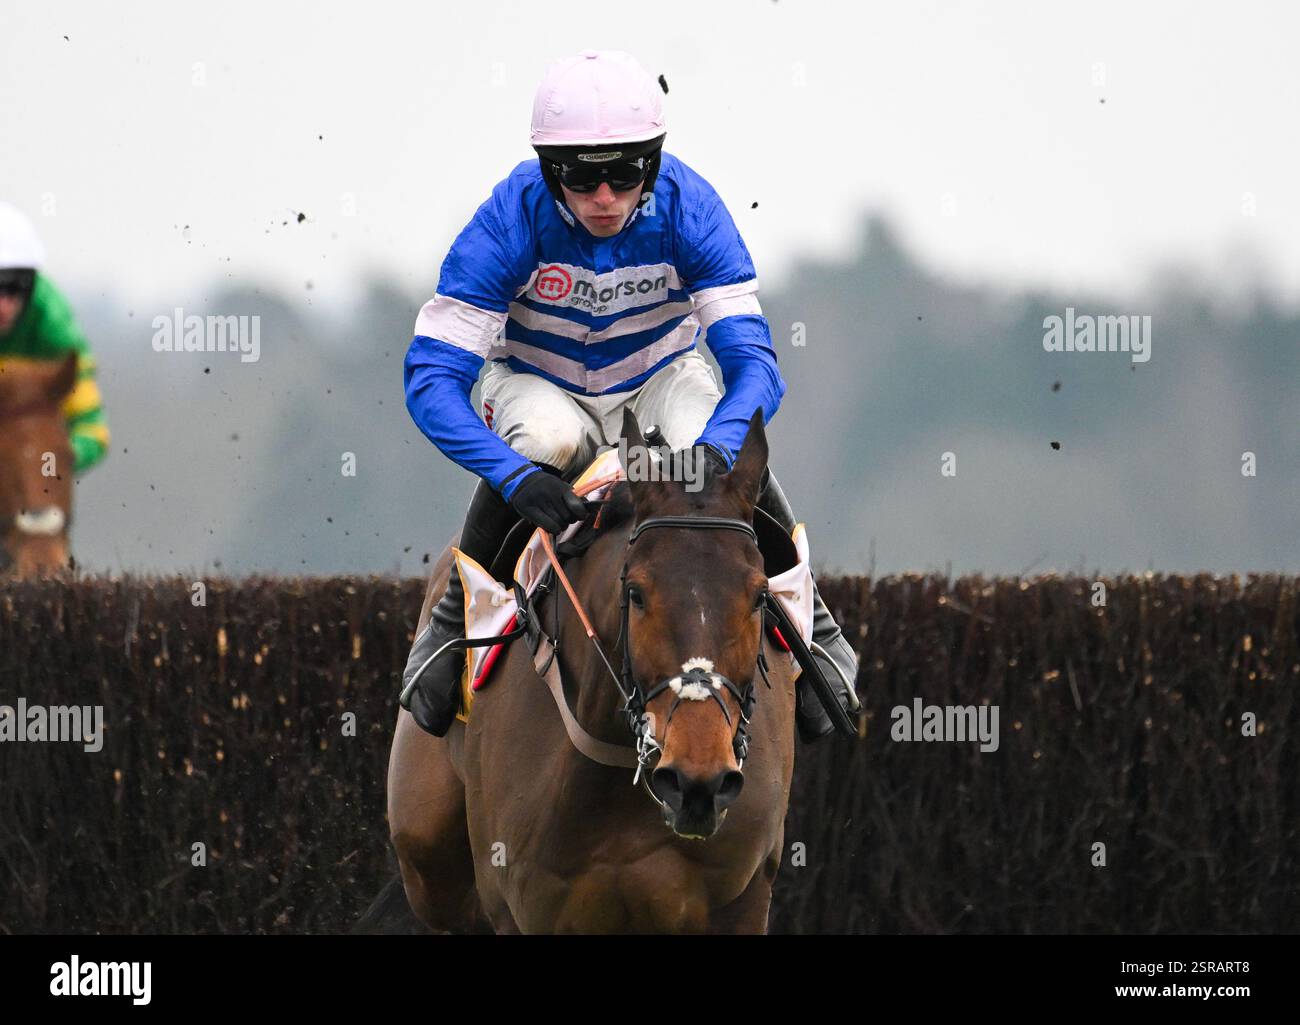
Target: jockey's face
{"points": [[603, 212], [11, 308]]}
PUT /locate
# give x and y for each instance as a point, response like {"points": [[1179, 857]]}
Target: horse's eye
{"points": [[635, 596], [761, 600]]}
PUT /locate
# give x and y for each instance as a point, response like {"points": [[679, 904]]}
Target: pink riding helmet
{"points": [[594, 98]]}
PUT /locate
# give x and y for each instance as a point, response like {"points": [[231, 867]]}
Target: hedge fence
{"points": [[1158, 731]]}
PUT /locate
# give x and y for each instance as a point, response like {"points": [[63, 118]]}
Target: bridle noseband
{"points": [[635, 700]]}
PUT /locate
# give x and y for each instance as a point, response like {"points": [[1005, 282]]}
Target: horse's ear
{"points": [[633, 448], [747, 472], [63, 382], [632, 430]]}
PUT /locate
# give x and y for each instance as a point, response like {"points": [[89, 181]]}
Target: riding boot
{"points": [[831, 649], [431, 680]]}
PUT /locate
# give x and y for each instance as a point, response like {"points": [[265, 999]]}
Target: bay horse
{"points": [[504, 825], [35, 465]]}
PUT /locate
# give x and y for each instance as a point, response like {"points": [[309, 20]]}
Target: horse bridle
{"points": [[529, 620], [636, 700]]}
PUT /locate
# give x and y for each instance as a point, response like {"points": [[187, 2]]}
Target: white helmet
{"points": [[20, 248]]}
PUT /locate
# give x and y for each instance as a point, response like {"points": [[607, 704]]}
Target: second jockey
{"points": [[36, 322], [584, 282]]}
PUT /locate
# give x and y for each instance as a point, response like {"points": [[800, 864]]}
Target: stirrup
{"points": [[405, 699], [850, 690]]}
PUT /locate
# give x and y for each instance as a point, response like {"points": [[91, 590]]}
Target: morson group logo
{"points": [[553, 283], [600, 294]]}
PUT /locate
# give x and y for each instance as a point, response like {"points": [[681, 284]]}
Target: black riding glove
{"points": [[703, 452], [548, 502], [713, 455]]}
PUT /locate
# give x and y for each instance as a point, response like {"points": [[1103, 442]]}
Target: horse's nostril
{"points": [[698, 796], [667, 786], [729, 787]]}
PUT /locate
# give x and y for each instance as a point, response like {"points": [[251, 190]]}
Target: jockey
{"points": [[36, 322], [603, 260]]}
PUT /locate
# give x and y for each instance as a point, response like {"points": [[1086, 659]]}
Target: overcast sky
{"points": [[1008, 141]]}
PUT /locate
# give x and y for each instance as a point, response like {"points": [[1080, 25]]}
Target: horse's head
{"points": [[694, 596], [35, 465]]}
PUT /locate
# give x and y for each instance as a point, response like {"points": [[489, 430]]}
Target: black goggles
{"points": [[622, 175]]}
